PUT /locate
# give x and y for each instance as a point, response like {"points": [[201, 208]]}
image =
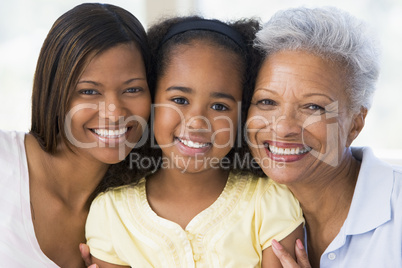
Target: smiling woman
{"points": [[114, 88], [311, 98], [90, 102], [303, 94]]}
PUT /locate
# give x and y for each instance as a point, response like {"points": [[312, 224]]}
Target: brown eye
{"points": [[266, 104], [133, 90], [88, 92], [316, 109], [219, 107], [180, 101]]}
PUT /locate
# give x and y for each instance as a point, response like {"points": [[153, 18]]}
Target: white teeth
{"points": [[108, 133], [193, 144], [289, 151]]}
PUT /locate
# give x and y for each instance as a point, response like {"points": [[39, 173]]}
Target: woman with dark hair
{"points": [[90, 105]]}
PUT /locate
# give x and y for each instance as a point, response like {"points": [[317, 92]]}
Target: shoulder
{"points": [[277, 212], [114, 194], [10, 139], [269, 194], [379, 178], [12, 154], [266, 188], [397, 190], [116, 197], [279, 195], [372, 166]]}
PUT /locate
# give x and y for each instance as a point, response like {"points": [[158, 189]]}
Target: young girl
{"points": [[90, 97], [195, 212]]}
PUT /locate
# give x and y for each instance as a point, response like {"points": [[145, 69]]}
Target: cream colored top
{"points": [[250, 212]]}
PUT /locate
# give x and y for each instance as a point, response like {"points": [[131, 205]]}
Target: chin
{"points": [[193, 168], [113, 156], [286, 180]]}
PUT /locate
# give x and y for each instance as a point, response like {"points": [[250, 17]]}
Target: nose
{"points": [[112, 109], [196, 119], [287, 124], [198, 122]]}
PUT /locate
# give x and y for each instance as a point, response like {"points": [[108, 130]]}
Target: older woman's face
{"points": [[298, 123]]}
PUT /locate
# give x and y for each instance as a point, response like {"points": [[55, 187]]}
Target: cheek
{"points": [[258, 119], [324, 135], [77, 122], [257, 124], [142, 107], [166, 121], [225, 129], [77, 118]]}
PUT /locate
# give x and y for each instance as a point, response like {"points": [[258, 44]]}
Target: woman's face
{"points": [[196, 106], [110, 105], [298, 123]]}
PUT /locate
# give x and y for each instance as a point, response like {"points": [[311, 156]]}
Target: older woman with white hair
{"points": [[311, 97]]}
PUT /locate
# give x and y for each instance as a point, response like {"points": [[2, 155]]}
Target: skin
{"points": [[61, 185], [199, 86], [300, 102]]}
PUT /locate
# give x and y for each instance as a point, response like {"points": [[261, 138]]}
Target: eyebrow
{"points": [[266, 89], [318, 94], [182, 89], [306, 95], [98, 84], [222, 95], [213, 94]]}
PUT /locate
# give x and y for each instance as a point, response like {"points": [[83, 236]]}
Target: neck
{"points": [[70, 177], [328, 192], [325, 201], [194, 183]]}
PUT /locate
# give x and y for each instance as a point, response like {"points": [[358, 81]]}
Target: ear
{"points": [[356, 126]]}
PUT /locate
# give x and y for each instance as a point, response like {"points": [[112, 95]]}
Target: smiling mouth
{"points": [[193, 144], [110, 133], [288, 151]]}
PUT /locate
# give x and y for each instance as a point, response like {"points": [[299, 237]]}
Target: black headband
{"points": [[207, 25]]}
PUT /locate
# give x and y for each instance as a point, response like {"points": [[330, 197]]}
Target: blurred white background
{"points": [[25, 23]]}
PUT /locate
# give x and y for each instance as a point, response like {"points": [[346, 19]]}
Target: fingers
{"points": [[85, 254], [301, 255], [284, 257]]}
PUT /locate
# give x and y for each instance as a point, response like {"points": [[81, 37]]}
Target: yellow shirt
{"points": [[122, 228]]}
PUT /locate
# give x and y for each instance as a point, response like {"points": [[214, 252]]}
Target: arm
{"points": [[100, 235], [287, 260], [92, 262], [86, 256], [102, 264], [269, 259]]}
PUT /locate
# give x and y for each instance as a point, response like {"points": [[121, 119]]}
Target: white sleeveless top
{"points": [[18, 244]]}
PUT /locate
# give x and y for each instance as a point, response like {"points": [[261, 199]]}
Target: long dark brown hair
{"points": [[74, 39]]}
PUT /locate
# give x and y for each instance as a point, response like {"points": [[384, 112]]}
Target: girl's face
{"points": [[197, 105], [299, 123], [110, 105]]}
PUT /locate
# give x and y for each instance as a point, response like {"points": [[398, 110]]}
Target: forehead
{"points": [[203, 65], [118, 54], [197, 47], [301, 71]]}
